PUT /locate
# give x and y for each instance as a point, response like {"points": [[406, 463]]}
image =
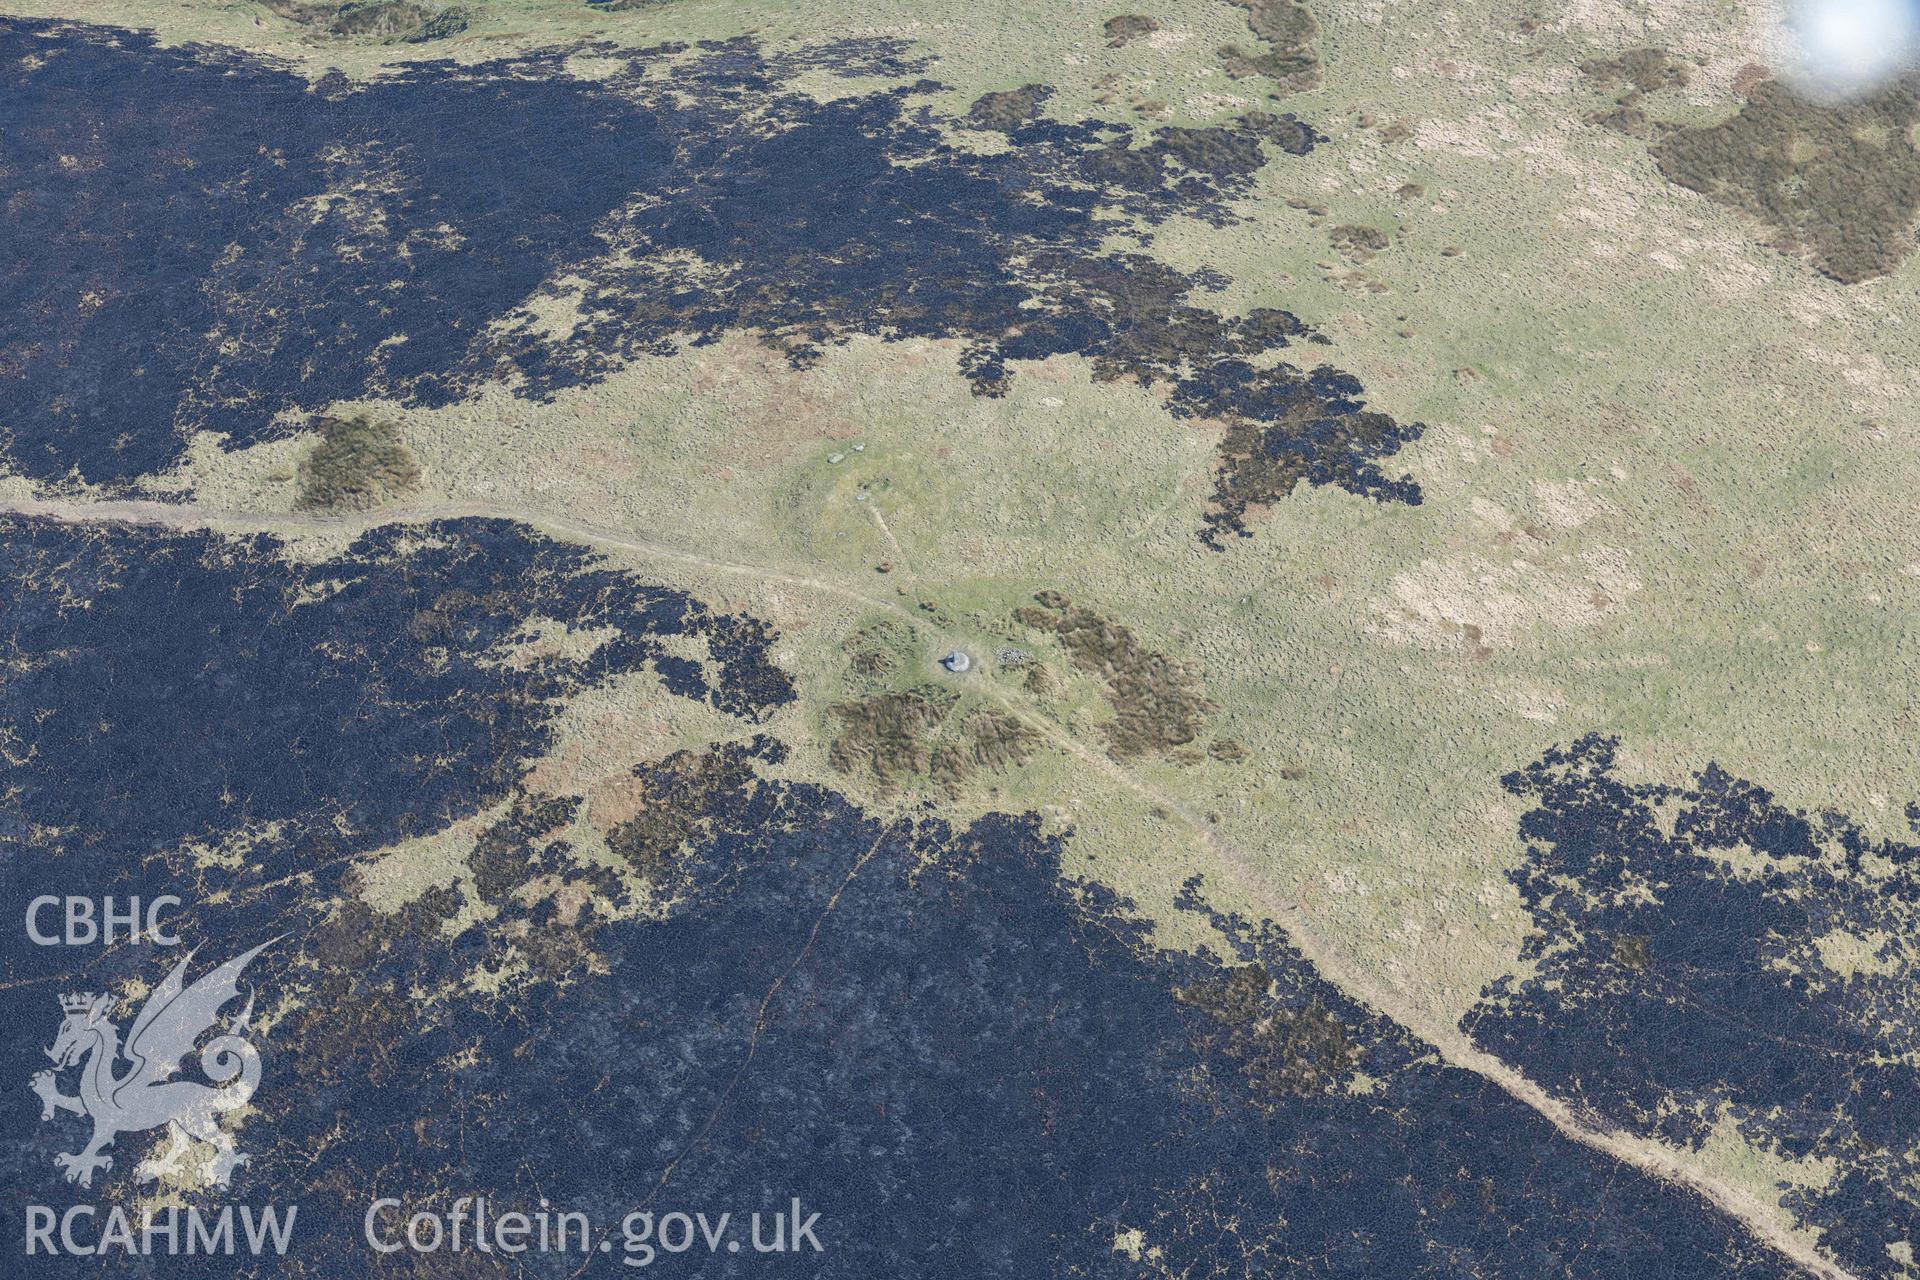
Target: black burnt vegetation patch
{"points": [[674, 800], [1281, 1049], [1703, 954], [960, 1057], [171, 687], [242, 244], [1309, 429], [965, 1062], [510, 851], [195, 239], [357, 464]]}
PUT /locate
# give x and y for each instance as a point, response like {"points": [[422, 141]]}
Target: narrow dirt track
{"points": [[1452, 1046]]}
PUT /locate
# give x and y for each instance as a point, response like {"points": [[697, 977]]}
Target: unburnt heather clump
{"points": [[384, 19], [359, 463], [990, 740], [877, 651], [1630, 77], [890, 734], [1157, 700], [1356, 241], [447, 22], [901, 736], [1008, 110], [1128, 26], [1644, 70], [1839, 182], [1288, 30]]}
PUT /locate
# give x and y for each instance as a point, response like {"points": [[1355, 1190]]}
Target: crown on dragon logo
{"points": [[168, 1028]]}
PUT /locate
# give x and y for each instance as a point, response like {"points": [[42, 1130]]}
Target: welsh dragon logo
{"points": [[141, 1096]]}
